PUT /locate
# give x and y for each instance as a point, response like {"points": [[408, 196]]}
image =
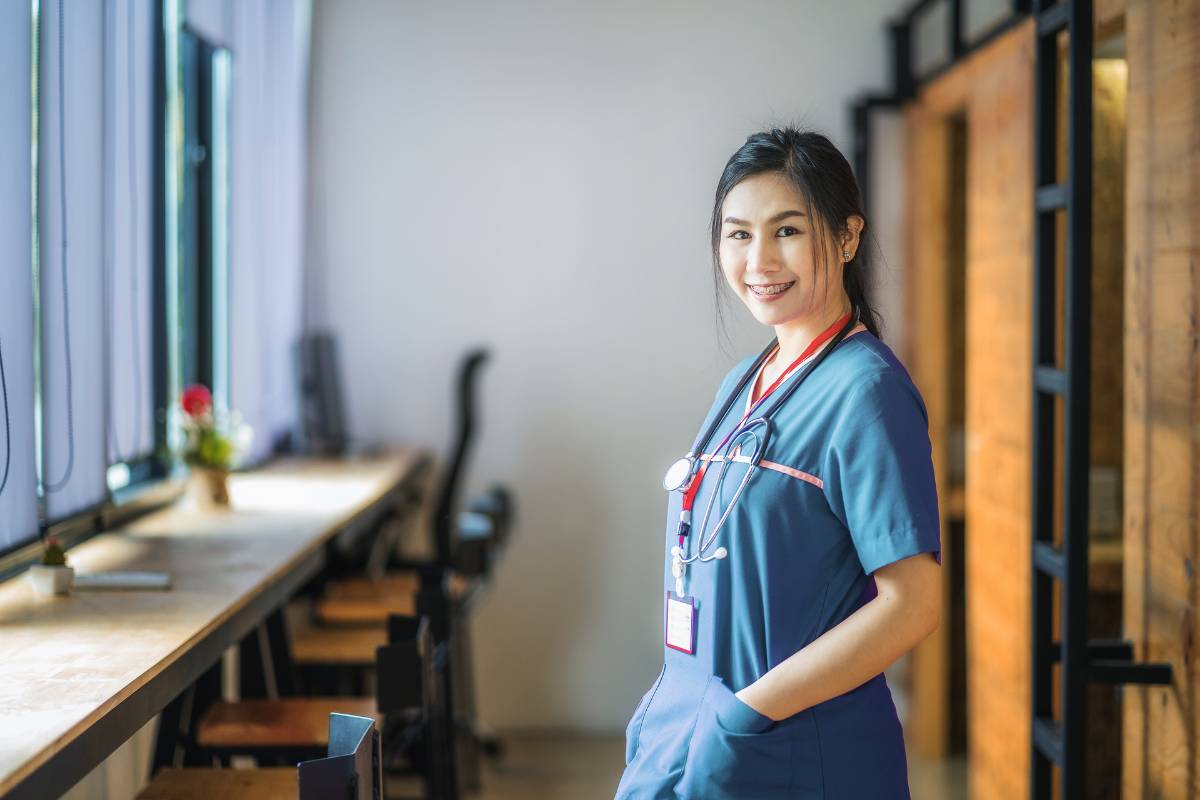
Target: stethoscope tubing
{"points": [[706, 435], [726, 460], [745, 428]]}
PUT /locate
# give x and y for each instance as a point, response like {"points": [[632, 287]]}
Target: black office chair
{"points": [[482, 531], [465, 544], [466, 394], [444, 531], [426, 739]]}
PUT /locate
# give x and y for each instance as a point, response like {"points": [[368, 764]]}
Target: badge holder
{"points": [[681, 623]]}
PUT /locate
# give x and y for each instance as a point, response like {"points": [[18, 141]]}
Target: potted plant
{"points": [[212, 446], [52, 575]]}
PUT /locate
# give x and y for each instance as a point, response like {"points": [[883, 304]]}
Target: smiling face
{"points": [[774, 257]]}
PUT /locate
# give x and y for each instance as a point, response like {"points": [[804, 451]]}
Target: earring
{"points": [[846, 255]]}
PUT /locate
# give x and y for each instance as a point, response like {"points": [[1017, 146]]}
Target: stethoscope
{"points": [[686, 473]]}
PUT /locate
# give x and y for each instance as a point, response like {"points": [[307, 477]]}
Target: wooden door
{"points": [[992, 93]]}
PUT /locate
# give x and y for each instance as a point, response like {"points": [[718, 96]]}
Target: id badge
{"points": [[681, 623]]}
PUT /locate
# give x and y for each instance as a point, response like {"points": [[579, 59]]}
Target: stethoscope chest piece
{"points": [[678, 474]]}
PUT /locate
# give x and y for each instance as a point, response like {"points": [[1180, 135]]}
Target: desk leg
{"points": [[206, 692], [286, 681], [173, 745], [252, 665], [170, 732], [265, 666]]}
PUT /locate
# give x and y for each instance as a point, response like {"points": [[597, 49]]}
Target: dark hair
{"points": [[823, 177]]}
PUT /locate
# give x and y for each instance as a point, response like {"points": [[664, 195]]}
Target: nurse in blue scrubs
{"points": [[803, 557]]}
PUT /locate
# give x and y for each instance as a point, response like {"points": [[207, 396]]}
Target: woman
{"points": [[817, 564]]}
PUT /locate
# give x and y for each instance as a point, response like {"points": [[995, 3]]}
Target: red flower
{"points": [[196, 400]]}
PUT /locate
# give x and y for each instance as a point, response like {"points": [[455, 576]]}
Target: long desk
{"points": [[80, 674]]}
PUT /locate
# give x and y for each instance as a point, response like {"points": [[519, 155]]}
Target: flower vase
{"points": [[210, 487], [50, 579]]}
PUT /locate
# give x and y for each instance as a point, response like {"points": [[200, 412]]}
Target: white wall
{"points": [[537, 176]]}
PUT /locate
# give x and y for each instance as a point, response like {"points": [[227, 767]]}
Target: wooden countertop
{"points": [[80, 674]]}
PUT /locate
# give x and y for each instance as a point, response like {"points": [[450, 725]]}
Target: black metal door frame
{"points": [[905, 79], [1060, 741]]}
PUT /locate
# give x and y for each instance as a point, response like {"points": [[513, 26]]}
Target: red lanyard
{"points": [[689, 496]]}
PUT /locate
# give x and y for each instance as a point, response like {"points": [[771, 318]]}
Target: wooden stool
{"points": [[294, 724], [199, 783], [413, 698], [288, 723], [336, 647], [365, 602], [398, 584], [353, 760], [336, 611]]}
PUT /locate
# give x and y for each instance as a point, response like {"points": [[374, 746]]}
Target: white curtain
{"points": [[129, 193], [74, 392], [270, 43], [18, 498]]}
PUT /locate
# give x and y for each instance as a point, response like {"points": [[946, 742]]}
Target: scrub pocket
{"points": [[735, 751], [633, 731]]}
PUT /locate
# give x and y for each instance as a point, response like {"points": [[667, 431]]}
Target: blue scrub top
{"points": [[845, 487]]}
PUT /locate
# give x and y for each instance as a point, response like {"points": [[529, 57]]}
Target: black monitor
{"points": [[322, 421]]}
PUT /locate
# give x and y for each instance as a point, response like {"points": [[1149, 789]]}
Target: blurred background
{"points": [[319, 209]]}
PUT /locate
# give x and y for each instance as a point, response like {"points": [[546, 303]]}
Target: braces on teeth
{"points": [[775, 289]]}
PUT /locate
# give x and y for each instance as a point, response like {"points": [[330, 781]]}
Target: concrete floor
{"points": [[558, 766]]}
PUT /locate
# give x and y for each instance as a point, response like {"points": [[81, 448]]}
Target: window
{"points": [[117, 250], [203, 259], [176, 332]]}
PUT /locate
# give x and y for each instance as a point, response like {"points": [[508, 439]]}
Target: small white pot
{"points": [[49, 580]]}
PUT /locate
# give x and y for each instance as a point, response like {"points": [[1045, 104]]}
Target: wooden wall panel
{"points": [[993, 90], [1162, 392], [999, 321], [928, 138]]}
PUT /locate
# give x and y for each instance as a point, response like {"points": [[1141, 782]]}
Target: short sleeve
{"points": [[878, 472]]}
